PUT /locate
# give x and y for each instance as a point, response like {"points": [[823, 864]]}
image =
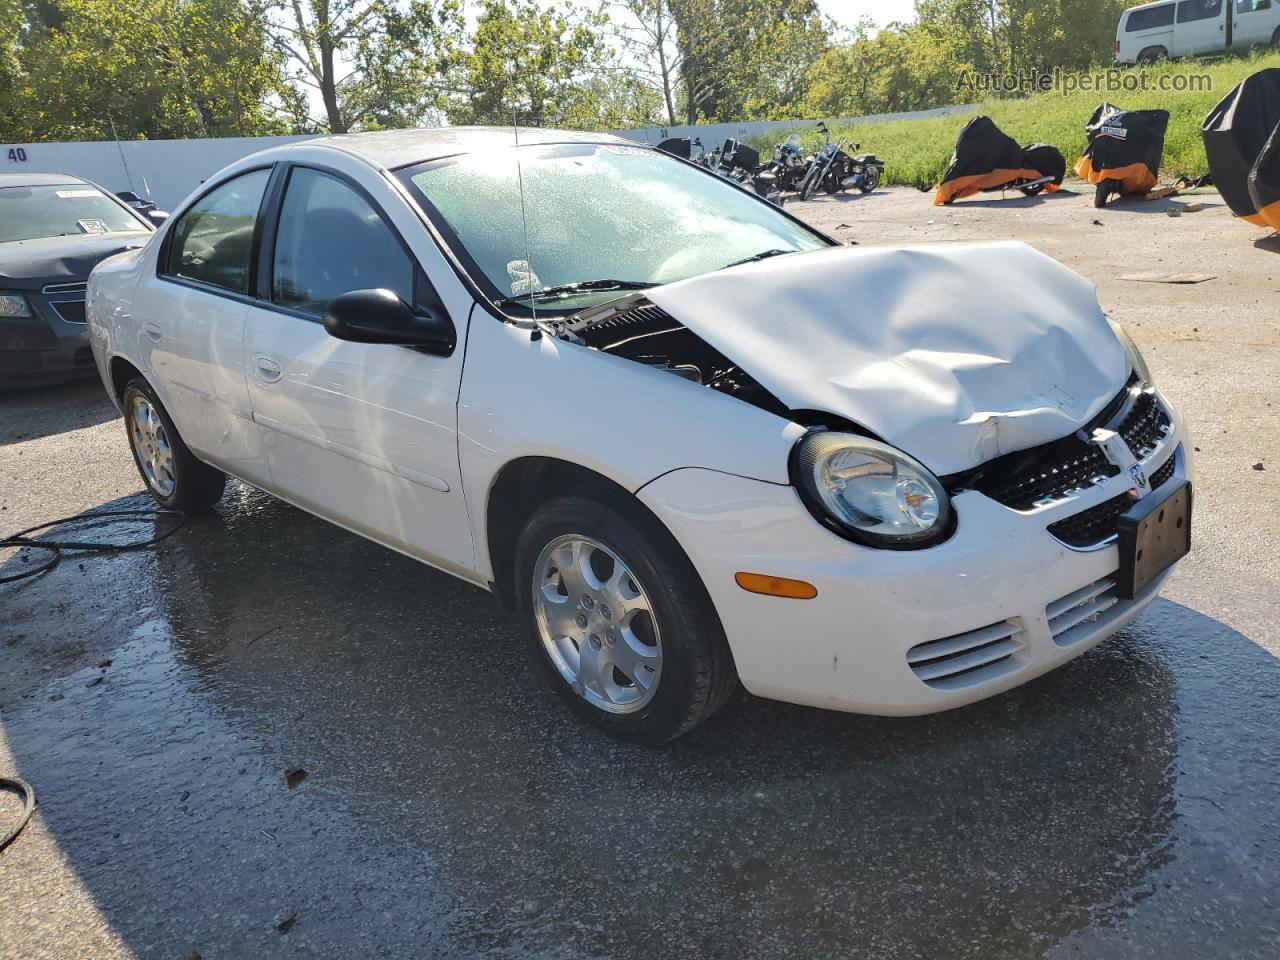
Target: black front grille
{"points": [[1096, 524], [1057, 469], [1145, 425], [1050, 473]]}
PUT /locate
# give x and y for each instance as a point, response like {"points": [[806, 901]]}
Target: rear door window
{"points": [[213, 241]]}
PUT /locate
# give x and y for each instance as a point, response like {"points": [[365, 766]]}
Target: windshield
{"points": [[67, 209], [594, 213]]}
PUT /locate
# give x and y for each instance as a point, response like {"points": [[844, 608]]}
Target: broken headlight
{"points": [[870, 492], [1135, 355], [13, 305]]}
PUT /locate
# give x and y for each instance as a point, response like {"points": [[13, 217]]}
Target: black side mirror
{"points": [[379, 316], [157, 217]]}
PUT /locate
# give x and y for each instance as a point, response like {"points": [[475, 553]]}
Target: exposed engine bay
{"points": [[639, 330]]}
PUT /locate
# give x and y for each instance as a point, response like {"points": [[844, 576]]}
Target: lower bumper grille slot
{"points": [[71, 311], [1078, 613], [968, 658]]}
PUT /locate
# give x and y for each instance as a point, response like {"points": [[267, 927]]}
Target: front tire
{"points": [[619, 620], [173, 476], [809, 184]]}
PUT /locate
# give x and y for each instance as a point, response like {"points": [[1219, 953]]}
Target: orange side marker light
{"points": [[775, 586]]}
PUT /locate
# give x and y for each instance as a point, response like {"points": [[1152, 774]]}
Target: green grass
{"points": [[918, 151]]}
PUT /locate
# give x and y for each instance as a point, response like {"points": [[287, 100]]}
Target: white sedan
{"points": [[688, 439]]}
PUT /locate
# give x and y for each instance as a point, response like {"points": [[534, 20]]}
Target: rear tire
{"points": [[1153, 55], [173, 476], [871, 180], [1033, 189], [619, 620], [1102, 192]]}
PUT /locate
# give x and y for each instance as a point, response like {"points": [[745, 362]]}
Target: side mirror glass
{"points": [[380, 316]]}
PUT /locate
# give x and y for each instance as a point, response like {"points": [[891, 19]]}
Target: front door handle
{"points": [[153, 331], [268, 369]]}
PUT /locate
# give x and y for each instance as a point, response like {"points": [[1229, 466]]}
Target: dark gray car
{"points": [[53, 230]]}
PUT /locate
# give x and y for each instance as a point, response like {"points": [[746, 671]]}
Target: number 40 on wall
{"points": [[17, 155]]}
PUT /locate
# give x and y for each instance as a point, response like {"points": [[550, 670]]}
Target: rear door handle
{"points": [[153, 331], [268, 369]]}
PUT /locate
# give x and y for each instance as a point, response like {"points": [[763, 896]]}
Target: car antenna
{"points": [[536, 332], [123, 162]]}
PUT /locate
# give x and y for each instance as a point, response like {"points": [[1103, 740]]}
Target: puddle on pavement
{"points": [[452, 805]]}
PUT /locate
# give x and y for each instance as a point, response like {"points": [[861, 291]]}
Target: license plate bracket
{"points": [[1154, 534]]}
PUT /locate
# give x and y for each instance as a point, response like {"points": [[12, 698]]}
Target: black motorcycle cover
{"points": [[1264, 183], [1047, 160], [985, 158], [1234, 134], [1124, 145]]}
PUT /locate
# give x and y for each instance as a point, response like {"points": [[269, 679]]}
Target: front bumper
{"points": [[900, 632], [50, 346]]}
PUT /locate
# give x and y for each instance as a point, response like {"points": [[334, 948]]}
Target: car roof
{"points": [[38, 180], [398, 148]]}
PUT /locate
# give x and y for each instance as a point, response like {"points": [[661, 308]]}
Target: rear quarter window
{"points": [[1150, 18]]}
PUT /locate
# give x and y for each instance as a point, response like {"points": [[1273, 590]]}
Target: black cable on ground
{"points": [[29, 807], [98, 518]]}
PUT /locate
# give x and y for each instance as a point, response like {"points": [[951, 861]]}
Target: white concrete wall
{"points": [[168, 170], [165, 170]]}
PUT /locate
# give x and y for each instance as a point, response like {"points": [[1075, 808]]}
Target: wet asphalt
{"points": [[269, 738]]}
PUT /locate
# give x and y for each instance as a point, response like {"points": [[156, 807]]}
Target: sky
{"points": [[883, 12]]}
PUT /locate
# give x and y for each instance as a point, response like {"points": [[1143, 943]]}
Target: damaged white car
{"points": [[687, 438]]}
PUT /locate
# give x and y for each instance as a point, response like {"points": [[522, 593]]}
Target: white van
{"points": [[1181, 28]]}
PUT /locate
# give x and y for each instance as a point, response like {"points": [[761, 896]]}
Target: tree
{"points": [[746, 58], [536, 66], [646, 29], [899, 68], [92, 69], [372, 63], [1022, 37], [10, 69]]}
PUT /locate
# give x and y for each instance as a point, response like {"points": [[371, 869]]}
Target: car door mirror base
{"points": [[380, 316]]}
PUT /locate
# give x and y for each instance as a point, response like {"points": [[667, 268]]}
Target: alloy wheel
{"points": [[151, 446], [597, 624]]}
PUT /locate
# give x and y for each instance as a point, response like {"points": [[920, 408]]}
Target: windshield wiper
{"points": [[762, 255], [582, 286]]}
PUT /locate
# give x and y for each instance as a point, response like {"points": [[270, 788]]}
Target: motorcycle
{"points": [[789, 164], [834, 170]]}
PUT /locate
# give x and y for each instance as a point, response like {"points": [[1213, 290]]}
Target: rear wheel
{"points": [[619, 620], [1103, 191], [1032, 189], [173, 476], [1153, 54], [870, 180]]}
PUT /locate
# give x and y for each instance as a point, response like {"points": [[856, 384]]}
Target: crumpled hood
{"points": [[955, 353], [30, 264]]}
